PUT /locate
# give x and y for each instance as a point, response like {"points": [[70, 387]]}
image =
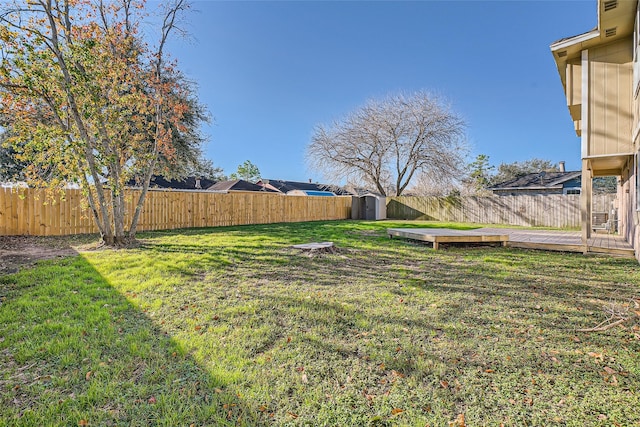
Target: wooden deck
{"points": [[445, 235], [565, 241]]}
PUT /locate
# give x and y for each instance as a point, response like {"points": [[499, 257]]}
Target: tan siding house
{"points": [[601, 77]]}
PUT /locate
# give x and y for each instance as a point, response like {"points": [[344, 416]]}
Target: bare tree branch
{"points": [[387, 142]]}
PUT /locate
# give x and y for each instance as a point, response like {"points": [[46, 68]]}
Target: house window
{"points": [[571, 191]]}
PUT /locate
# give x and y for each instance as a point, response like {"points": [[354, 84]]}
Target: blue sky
{"points": [[270, 71]]}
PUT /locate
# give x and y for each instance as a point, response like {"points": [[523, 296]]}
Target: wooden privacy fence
{"points": [[562, 211], [33, 212]]}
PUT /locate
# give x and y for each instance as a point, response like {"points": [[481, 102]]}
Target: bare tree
{"points": [[387, 142], [427, 184]]}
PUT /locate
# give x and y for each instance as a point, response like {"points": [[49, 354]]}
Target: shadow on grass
{"points": [[74, 351]]}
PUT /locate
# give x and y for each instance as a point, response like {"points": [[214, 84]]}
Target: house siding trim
{"points": [[584, 119]]}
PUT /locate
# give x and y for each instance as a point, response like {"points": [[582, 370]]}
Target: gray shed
{"points": [[369, 206]]}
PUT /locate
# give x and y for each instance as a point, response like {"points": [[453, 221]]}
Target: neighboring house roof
{"points": [[16, 184], [238, 185], [287, 186], [189, 183], [537, 181], [310, 193], [23, 184]]}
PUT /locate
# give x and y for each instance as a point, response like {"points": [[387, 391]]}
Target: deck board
{"points": [[568, 241], [552, 240], [444, 235]]}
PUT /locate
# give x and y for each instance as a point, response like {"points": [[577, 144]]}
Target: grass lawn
{"points": [[230, 326]]}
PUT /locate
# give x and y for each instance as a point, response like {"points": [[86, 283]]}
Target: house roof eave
{"points": [[571, 48], [572, 41], [619, 18], [566, 178], [554, 187]]}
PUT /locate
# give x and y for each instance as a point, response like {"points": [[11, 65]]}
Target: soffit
{"points": [[608, 165], [615, 21]]}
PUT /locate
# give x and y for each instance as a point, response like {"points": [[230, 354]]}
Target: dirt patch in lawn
{"points": [[17, 252]]}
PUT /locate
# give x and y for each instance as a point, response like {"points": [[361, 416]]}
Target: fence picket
{"points": [[34, 212], [560, 211]]}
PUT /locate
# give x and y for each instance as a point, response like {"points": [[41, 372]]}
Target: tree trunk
{"points": [[118, 217], [143, 195]]}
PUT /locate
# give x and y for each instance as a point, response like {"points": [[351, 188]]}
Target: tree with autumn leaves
{"points": [[83, 98]]}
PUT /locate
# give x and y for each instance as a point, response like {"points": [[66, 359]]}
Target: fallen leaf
{"points": [[152, 400], [304, 378], [396, 411], [444, 384], [83, 423], [292, 415], [88, 375], [397, 374], [596, 355], [458, 422], [489, 371], [288, 339], [609, 371], [262, 408], [198, 327]]}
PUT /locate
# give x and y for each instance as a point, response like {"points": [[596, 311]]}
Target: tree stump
{"points": [[316, 247]]}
